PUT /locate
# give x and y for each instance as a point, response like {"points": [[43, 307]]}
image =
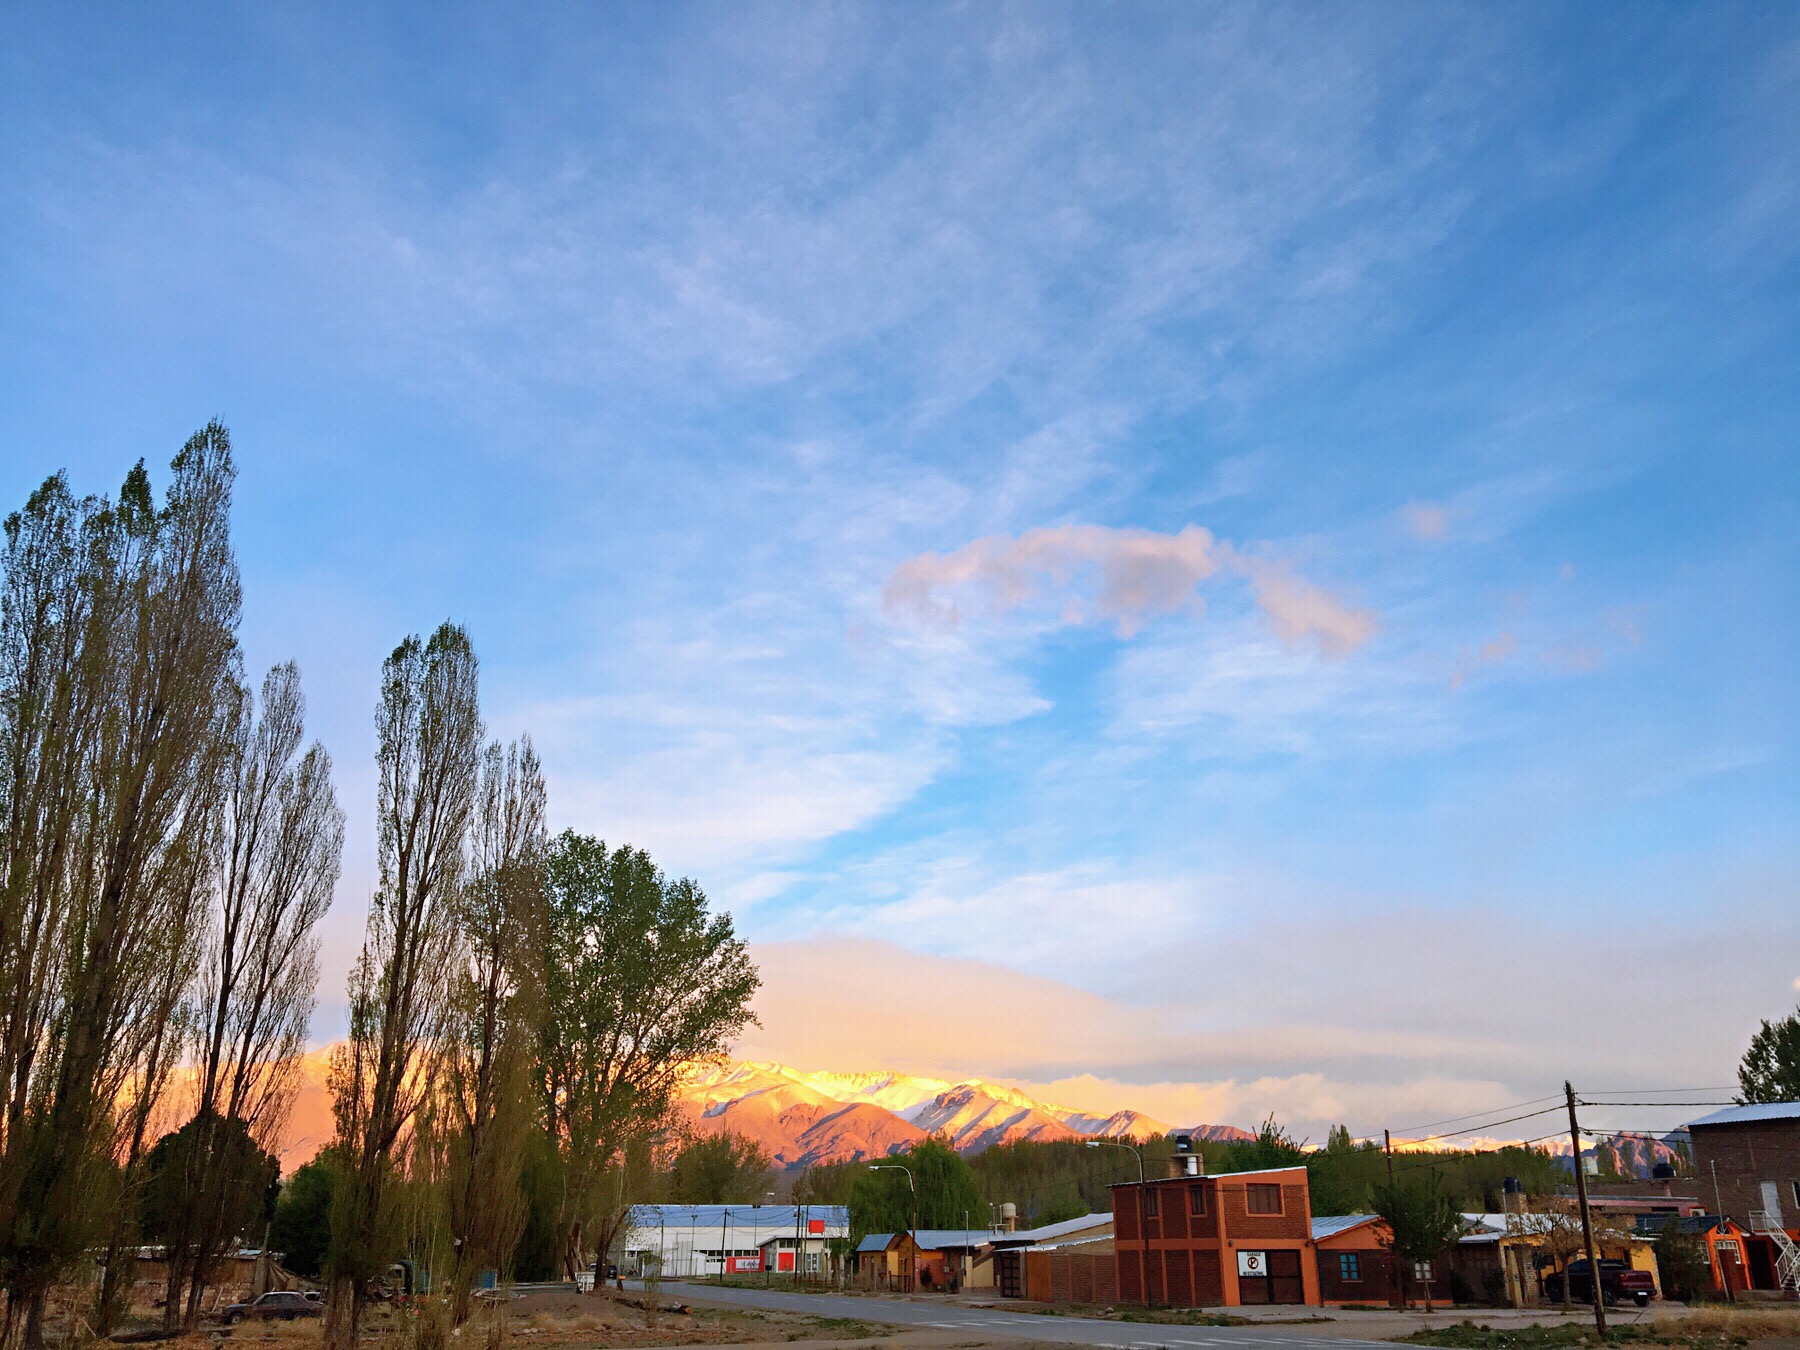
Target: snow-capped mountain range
{"points": [[804, 1118]]}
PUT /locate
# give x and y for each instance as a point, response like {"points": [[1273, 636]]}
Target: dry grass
{"points": [[1734, 1321]]}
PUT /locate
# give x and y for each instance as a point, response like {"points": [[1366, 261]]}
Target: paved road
{"points": [[1021, 1325]]}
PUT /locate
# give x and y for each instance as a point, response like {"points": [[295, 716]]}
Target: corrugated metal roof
{"points": [[1333, 1224], [1745, 1115], [936, 1239], [1216, 1176], [1051, 1231], [741, 1218], [931, 1239]]}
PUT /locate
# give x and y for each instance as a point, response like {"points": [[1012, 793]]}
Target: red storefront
{"points": [[1241, 1238]]}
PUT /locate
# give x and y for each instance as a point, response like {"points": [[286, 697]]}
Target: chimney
{"points": [[1512, 1195], [1185, 1161], [1009, 1217]]}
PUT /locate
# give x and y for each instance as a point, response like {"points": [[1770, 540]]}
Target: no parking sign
{"points": [[1253, 1263]]}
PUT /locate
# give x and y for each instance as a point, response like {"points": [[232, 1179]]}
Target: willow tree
{"points": [[282, 839], [496, 1017], [429, 734], [117, 689], [639, 981]]}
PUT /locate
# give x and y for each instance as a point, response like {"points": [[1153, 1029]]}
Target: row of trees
{"points": [[518, 1012], [169, 848]]}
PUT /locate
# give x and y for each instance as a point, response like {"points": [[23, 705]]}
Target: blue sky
{"points": [[1264, 534]]}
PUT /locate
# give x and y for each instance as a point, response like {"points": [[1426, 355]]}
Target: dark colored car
{"points": [[277, 1304], [1617, 1281]]}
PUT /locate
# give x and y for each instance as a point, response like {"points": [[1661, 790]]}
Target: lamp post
{"points": [[912, 1235], [1143, 1226]]}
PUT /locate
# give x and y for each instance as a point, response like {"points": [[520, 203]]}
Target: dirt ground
{"points": [[558, 1319], [565, 1320]]}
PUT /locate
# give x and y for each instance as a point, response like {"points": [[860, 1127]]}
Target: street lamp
{"points": [[913, 1234], [1143, 1226]]}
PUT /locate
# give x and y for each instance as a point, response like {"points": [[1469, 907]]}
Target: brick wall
{"points": [[1745, 1156], [1070, 1277]]}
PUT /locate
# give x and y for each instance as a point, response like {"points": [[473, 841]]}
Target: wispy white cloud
{"points": [[1137, 575], [1426, 521]]}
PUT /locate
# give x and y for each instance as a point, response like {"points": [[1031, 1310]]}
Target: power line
{"points": [[1615, 1092], [1485, 1125], [1408, 1129]]}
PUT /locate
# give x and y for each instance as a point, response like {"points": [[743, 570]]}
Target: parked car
{"points": [[1617, 1281], [276, 1305]]}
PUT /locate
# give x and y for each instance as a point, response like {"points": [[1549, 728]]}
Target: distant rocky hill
{"points": [[1629, 1152], [806, 1118]]}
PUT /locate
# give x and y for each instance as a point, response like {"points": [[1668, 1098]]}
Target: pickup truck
{"points": [[1617, 1281]]}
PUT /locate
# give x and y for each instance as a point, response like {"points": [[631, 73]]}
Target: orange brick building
{"points": [[1230, 1240]]}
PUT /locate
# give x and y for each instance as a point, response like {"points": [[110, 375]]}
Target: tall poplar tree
{"points": [[281, 844], [429, 736], [496, 1016], [117, 687]]}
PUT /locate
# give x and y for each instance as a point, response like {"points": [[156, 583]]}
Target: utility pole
{"points": [[1143, 1190], [1387, 1141], [1587, 1221], [912, 1237], [724, 1218]]}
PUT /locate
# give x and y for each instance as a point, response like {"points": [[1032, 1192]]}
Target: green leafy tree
{"points": [[1272, 1147], [1422, 1220], [301, 1229], [720, 1169], [118, 669], [1682, 1260], [639, 981], [428, 746], [1060, 1211], [1770, 1071], [882, 1202], [248, 1178]]}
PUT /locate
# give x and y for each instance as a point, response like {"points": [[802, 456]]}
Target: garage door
{"points": [[1270, 1277]]}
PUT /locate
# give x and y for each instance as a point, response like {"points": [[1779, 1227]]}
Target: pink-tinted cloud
{"points": [[1092, 573], [1298, 610], [1427, 522], [1491, 653]]}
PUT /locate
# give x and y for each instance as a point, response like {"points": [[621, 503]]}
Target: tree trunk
{"points": [[572, 1251], [343, 1310], [34, 1321]]}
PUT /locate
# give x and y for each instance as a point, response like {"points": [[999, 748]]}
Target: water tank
{"points": [[1663, 1172], [1512, 1186]]}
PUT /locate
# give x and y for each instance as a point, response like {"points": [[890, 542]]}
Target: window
{"points": [[1796, 1186], [1196, 1199], [1349, 1266], [1149, 1201], [1422, 1271], [1260, 1199]]}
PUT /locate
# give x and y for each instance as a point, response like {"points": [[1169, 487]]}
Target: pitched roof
{"points": [[1217, 1176], [1331, 1225], [1049, 1232], [736, 1219], [936, 1239], [1747, 1115], [874, 1242]]}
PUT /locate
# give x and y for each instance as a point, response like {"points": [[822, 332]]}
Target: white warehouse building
{"points": [[696, 1241]]}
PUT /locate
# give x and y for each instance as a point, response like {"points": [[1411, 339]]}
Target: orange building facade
{"points": [[1240, 1239]]}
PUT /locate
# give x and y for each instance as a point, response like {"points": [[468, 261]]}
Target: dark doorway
{"points": [[1282, 1284]]}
